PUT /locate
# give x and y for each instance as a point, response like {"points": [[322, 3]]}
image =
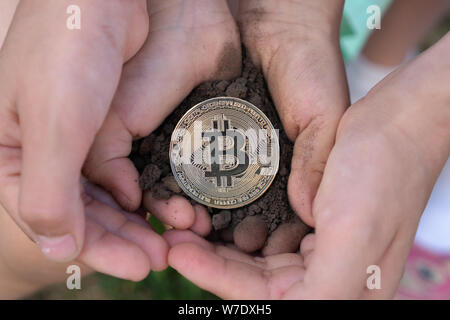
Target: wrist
{"points": [[425, 114], [269, 25], [321, 17], [430, 75], [412, 105]]}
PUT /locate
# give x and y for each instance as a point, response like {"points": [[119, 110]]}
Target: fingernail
{"points": [[61, 248]]}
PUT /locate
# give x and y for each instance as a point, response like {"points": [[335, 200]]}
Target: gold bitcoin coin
{"points": [[224, 152]]}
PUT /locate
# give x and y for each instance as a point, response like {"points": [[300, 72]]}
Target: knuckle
{"points": [[39, 217]]}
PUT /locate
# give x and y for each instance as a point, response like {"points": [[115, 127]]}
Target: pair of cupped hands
{"points": [[72, 101]]}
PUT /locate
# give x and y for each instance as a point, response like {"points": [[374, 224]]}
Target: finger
{"points": [[108, 165], [286, 238], [10, 180], [307, 259], [101, 195], [110, 254], [202, 224], [283, 270], [144, 237], [176, 211], [176, 237], [61, 106], [226, 278], [311, 150], [307, 244], [307, 249]]}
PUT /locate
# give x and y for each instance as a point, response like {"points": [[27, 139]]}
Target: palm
{"points": [[176, 57]]}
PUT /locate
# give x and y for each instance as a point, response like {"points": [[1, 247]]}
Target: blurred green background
{"points": [[169, 284]]}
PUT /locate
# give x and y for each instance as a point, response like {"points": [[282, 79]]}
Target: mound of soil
{"points": [[151, 157]]}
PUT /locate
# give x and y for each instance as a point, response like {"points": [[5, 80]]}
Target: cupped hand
{"points": [[389, 150], [189, 42], [56, 87], [296, 43]]}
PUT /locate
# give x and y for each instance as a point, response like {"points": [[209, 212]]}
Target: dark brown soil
{"points": [[151, 155]]}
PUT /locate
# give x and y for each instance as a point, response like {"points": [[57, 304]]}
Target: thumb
{"points": [[63, 98], [310, 94]]}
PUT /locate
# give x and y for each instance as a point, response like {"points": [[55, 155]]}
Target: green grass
{"points": [[164, 285]]}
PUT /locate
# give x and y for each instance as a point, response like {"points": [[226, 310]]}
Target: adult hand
{"points": [[389, 150]]}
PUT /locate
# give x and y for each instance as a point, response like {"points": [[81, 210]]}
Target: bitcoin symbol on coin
{"points": [[220, 168], [224, 152]]}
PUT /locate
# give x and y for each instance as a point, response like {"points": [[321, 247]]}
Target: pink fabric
{"points": [[427, 276]]}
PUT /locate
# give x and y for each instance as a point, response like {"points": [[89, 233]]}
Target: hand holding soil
{"points": [[109, 82], [364, 214], [309, 114], [249, 226], [99, 101], [309, 102]]}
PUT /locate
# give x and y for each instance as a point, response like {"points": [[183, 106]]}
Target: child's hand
{"points": [[297, 45], [189, 42], [193, 41], [56, 86], [389, 150]]}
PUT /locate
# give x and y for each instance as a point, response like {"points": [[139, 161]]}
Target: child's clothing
{"points": [[427, 276]]}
